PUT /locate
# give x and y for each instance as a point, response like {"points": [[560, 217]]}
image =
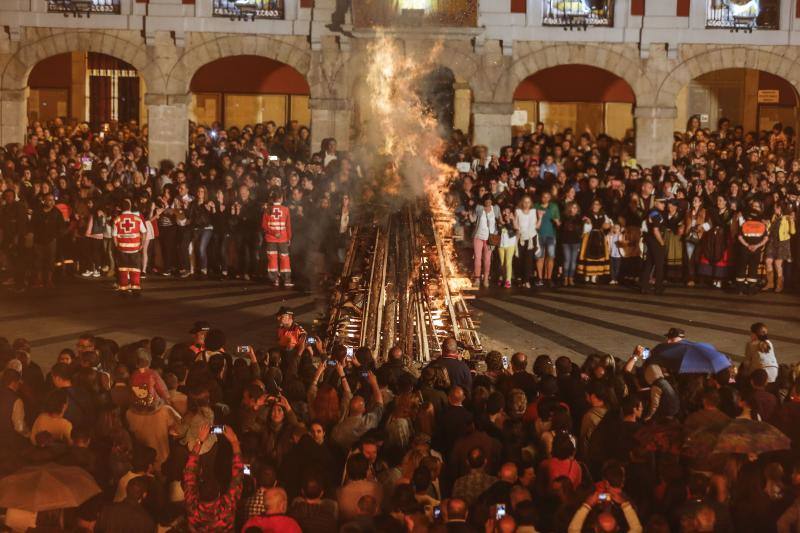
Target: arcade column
{"points": [[13, 116], [167, 127], [330, 117], [492, 125], [654, 135]]}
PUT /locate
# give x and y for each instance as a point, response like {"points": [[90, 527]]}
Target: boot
{"points": [[779, 284], [770, 281]]}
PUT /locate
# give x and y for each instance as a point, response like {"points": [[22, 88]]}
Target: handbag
{"points": [[494, 239]]}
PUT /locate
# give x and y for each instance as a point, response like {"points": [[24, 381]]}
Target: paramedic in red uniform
{"points": [[277, 226], [129, 231], [752, 236]]}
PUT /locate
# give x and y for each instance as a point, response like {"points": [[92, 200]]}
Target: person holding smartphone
{"points": [[605, 518], [209, 508]]}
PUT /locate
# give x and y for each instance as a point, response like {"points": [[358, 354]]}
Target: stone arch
{"points": [[48, 42], [773, 60], [206, 48], [608, 58]]}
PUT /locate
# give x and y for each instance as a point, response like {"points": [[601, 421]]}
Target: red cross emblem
{"points": [[128, 225]]}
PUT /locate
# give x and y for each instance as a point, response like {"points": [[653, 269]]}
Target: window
{"points": [[259, 9], [78, 7], [743, 14], [578, 13]]}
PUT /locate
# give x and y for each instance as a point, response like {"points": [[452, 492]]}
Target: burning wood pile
{"points": [[400, 283], [399, 287]]}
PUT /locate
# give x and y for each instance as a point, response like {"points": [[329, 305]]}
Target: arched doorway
{"points": [[246, 89], [753, 99], [576, 97], [443, 94], [87, 86]]}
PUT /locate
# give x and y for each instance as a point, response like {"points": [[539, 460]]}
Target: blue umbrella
{"points": [[688, 357]]}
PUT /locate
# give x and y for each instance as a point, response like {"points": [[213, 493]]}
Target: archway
{"points": [[247, 89], [577, 97], [750, 98], [87, 86]]}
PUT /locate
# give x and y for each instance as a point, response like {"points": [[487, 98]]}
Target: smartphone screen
{"points": [[218, 430], [501, 511]]}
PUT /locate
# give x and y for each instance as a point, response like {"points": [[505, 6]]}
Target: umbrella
{"points": [[47, 487], [664, 436], [687, 357], [751, 436]]}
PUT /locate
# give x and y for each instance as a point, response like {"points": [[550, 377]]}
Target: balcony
{"points": [[248, 9], [744, 15], [83, 7], [579, 14], [416, 13]]}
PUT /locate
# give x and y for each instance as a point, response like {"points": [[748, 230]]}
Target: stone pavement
{"points": [[574, 322]]}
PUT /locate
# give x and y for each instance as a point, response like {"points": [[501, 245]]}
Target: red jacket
{"points": [[129, 231], [277, 224]]}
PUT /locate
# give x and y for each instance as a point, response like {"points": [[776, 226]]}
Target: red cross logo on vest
{"points": [[128, 225]]}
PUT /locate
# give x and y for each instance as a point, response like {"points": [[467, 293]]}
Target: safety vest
{"points": [[129, 230]]}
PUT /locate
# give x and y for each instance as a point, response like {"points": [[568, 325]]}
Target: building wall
{"points": [[657, 55]]}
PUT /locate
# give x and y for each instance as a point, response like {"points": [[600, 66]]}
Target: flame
{"points": [[409, 135]]}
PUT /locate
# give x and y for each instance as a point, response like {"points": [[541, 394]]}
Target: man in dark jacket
{"points": [[128, 516], [456, 368], [47, 223]]}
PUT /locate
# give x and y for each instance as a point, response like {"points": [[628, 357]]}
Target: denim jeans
{"points": [[616, 264], [570, 252], [202, 236]]}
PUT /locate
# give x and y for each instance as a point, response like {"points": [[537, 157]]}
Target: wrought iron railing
{"points": [[249, 9], [743, 14], [578, 13], [453, 13], [83, 7]]}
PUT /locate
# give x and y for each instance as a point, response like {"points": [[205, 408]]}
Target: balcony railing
{"points": [[742, 14], [248, 9], [578, 13], [83, 7], [454, 13]]}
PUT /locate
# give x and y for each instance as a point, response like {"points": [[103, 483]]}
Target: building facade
{"points": [[658, 48]]}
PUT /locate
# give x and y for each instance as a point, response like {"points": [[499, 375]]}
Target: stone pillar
{"points": [[167, 127], [462, 102], [330, 117], [78, 85], [492, 125], [13, 116], [654, 131]]}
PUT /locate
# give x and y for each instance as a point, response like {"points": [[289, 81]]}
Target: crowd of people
{"points": [[299, 436], [565, 207], [553, 209]]}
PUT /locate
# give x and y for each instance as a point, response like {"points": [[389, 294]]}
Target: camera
{"points": [[331, 362], [273, 158], [311, 340], [350, 352], [645, 353], [218, 429], [242, 349], [364, 374], [246, 469], [604, 497], [437, 512]]}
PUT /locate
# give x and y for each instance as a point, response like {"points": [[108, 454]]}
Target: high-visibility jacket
{"points": [[129, 230], [277, 224]]}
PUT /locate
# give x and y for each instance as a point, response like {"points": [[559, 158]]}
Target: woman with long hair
{"points": [[779, 248], [200, 212], [570, 234], [526, 223], [715, 246], [694, 223]]}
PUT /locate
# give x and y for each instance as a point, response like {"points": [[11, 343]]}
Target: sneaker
{"points": [[718, 284], [539, 283], [204, 271], [486, 284], [288, 284], [185, 274], [224, 273], [527, 285], [276, 283], [87, 274], [166, 273], [690, 283], [613, 282], [246, 277], [508, 284], [96, 274]]}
